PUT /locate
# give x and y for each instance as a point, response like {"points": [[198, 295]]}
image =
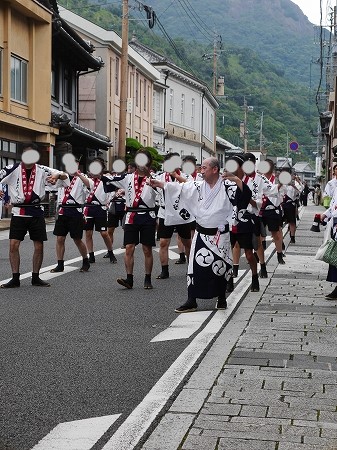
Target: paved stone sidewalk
{"points": [[276, 387]]}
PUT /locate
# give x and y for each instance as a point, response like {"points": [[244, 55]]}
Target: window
{"points": [[12, 147], [117, 77], [19, 79], [171, 104], [67, 87], [110, 77], [0, 71], [54, 81], [193, 113], [182, 109], [211, 134], [145, 93], [137, 89]]}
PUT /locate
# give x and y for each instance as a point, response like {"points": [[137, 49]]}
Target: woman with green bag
{"points": [[330, 188], [331, 215]]}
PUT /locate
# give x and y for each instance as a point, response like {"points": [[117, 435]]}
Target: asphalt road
{"points": [[81, 348]]}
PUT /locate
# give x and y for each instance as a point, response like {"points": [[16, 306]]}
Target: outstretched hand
{"points": [[155, 183]]}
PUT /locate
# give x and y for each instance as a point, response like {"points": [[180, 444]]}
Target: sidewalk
{"points": [[269, 382], [4, 224]]}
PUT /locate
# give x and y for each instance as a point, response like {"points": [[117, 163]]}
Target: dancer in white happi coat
{"points": [[140, 217], [26, 189], [179, 223], [71, 196], [290, 203], [216, 204], [96, 215], [260, 186]]}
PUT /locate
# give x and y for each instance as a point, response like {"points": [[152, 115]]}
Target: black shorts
{"points": [[35, 226], [144, 234], [289, 214], [99, 223], [245, 240], [69, 224], [166, 232], [273, 223], [114, 220]]}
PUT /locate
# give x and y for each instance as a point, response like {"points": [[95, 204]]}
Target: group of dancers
{"points": [[214, 214]]}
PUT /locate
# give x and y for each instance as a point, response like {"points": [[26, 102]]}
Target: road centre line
{"points": [[76, 435]]}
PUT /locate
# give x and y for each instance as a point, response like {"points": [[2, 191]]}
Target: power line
{"points": [[192, 18], [197, 19]]}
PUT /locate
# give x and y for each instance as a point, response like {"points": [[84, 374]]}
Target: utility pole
{"points": [[124, 80], [215, 66], [261, 134]]}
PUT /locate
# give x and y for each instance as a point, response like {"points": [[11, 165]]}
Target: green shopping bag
{"points": [[330, 254], [326, 201]]}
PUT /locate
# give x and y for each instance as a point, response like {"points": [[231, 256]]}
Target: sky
{"points": [[311, 9]]}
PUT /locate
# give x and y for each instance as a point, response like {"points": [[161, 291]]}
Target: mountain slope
{"points": [[286, 107], [276, 29]]}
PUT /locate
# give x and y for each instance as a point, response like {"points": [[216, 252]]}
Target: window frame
{"points": [[20, 82]]}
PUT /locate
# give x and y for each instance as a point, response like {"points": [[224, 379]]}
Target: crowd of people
{"points": [[214, 215]]}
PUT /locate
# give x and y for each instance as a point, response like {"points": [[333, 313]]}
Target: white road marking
{"points": [[76, 435], [183, 326], [141, 418], [45, 273], [171, 255]]}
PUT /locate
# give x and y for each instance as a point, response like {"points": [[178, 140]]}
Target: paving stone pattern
{"points": [[277, 390]]}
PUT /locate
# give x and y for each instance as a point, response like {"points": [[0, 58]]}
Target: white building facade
{"points": [[99, 97], [184, 109]]}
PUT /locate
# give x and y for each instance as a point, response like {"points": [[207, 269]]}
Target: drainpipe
{"points": [[202, 125], [165, 98]]}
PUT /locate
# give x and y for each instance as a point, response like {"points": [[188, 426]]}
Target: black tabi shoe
{"points": [[280, 259], [106, 255], [189, 306], [221, 303], [332, 295], [163, 276], [292, 239], [11, 284], [181, 261], [235, 270], [147, 283], [263, 271], [113, 259], [125, 283], [230, 285], [39, 282], [57, 269], [92, 259], [85, 266], [255, 287]]}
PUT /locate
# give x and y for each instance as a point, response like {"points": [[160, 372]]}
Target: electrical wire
{"points": [[197, 19], [192, 18]]}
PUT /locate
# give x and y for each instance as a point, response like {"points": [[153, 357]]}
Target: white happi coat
{"points": [[172, 216], [210, 261], [260, 186], [77, 196], [100, 198], [127, 182], [330, 188], [11, 175]]}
